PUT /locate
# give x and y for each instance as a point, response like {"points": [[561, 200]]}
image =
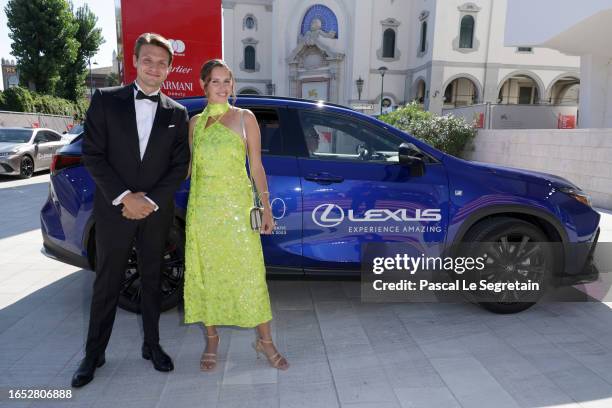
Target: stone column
{"points": [[490, 82], [229, 47], [293, 83], [333, 83], [434, 96], [595, 92]]}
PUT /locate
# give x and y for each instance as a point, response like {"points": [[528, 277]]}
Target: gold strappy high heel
{"points": [[275, 360], [208, 361]]}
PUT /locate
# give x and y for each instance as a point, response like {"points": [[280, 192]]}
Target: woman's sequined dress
{"points": [[225, 276]]}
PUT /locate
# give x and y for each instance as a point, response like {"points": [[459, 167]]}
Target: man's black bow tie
{"points": [[142, 95]]}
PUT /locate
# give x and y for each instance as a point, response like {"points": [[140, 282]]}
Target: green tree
{"points": [[89, 39], [43, 40], [18, 99], [447, 133], [113, 79]]}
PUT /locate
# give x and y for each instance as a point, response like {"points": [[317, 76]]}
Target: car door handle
{"points": [[324, 178]]}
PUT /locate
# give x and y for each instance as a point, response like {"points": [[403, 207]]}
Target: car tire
{"points": [[172, 278], [513, 230], [26, 167]]}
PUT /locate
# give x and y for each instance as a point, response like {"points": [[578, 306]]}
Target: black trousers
{"points": [[114, 238]]}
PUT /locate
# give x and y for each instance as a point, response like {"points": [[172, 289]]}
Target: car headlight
{"points": [[6, 154], [576, 194]]}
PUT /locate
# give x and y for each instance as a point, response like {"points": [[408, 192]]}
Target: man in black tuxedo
{"points": [[135, 148]]}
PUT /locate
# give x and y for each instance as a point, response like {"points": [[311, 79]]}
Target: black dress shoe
{"points": [[85, 373], [161, 361]]}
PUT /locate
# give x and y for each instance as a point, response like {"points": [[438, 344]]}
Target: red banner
{"points": [[194, 28], [566, 121], [479, 120]]}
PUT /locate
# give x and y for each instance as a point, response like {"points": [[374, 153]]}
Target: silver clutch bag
{"points": [[256, 217]]}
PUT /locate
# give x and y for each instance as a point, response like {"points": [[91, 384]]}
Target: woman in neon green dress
{"points": [[225, 276]]}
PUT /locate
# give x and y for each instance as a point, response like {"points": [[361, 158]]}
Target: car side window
{"points": [[41, 137], [270, 129], [339, 137], [52, 137]]}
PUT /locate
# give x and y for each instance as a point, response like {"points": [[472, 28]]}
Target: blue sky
{"points": [[104, 9]]}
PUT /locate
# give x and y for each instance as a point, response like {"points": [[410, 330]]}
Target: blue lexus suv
{"points": [[339, 179]]}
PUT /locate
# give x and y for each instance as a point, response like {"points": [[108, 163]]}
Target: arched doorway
{"points": [[565, 91], [419, 90], [520, 89], [249, 91], [387, 103], [460, 91]]}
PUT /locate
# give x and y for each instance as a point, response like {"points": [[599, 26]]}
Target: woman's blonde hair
{"points": [[206, 72]]}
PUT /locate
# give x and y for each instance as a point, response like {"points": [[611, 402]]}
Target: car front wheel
{"points": [[515, 251], [26, 168], [172, 274]]}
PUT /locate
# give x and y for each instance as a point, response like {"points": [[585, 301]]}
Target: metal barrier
{"points": [[23, 119], [510, 116]]}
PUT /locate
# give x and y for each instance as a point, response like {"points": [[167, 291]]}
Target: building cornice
{"points": [[230, 4], [440, 63], [243, 81]]}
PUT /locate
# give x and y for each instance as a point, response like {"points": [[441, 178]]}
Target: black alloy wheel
{"points": [[516, 251], [172, 275], [26, 168]]}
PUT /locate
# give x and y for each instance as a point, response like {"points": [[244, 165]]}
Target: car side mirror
{"points": [[406, 159]]}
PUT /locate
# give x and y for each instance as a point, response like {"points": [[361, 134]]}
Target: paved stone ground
{"points": [[343, 353]]}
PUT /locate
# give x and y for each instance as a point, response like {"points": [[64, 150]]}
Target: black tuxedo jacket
{"points": [[111, 151]]}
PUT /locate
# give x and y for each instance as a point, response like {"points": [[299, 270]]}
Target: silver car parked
{"points": [[24, 150]]}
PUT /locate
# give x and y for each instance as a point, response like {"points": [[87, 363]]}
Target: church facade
{"points": [[378, 54]]}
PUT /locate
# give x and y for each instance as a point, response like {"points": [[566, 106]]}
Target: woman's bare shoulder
{"points": [[194, 118], [240, 112], [249, 116]]}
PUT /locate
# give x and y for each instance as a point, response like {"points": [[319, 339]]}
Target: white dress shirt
{"points": [[145, 114]]}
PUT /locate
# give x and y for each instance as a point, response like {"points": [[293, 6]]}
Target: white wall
{"points": [[524, 18], [583, 156], [360, 37], [233, 51], [395, 78], [448, 17], [544, 64], [582, 29], [596, 92], [361, 61]]}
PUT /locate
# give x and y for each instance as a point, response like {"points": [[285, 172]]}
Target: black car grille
{"points": [[7, 168]]}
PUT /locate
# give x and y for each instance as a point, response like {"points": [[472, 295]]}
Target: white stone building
{"points": [[582, 29], [443, 53]]}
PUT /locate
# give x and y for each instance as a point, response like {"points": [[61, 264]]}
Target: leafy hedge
{"points": [[447, 133], [18, 99]]}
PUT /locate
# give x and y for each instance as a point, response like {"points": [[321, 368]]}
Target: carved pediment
{"points": [[313, 60], [313, 55], [390, 22], [469, 8]]}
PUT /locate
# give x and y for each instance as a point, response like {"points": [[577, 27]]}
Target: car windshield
{"points": [[15, 135], [76, 129]]}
